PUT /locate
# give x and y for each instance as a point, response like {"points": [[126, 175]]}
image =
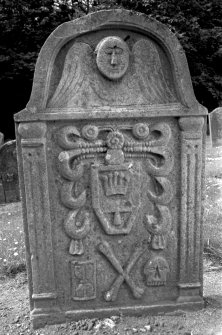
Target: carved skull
{"points": [[156, 270]]}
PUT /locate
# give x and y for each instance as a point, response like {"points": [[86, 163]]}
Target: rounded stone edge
{"points": [[191, 123], [101, 20], [32, 130]]}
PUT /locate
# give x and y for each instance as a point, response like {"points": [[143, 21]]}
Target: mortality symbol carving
{"points": [[83, 280], [158, 226], [156, 270], [123, 272]]}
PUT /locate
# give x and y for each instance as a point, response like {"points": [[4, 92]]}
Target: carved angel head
{"points": [[112, 57]]}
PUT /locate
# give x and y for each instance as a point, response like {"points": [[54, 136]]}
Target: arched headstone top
{"points": [[111, 60]]}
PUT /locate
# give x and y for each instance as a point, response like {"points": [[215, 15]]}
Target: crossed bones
{"points": [[111, 295]]}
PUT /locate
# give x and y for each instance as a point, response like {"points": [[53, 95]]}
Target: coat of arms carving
{"points": [[115, 179], [116, 196]]}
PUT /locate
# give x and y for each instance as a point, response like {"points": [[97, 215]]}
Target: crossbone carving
{"points": [[123, 273]]}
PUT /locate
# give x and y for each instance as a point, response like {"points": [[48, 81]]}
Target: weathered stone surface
{"points": [[9, 192], [215, 118], [110, 150]]}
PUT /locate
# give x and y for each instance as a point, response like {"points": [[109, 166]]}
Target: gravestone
{"points": [[111, 150], [215, 121], [1, 139], [9, 172]]}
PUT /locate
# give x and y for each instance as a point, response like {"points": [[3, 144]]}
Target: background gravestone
{"points": [[9, 172], [2, 193], [111, 149], [215, 119], [1, 139]]}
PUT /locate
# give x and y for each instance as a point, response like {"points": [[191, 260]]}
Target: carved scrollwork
{"points": [[159, 161], [165, 193], [64, 165], [77, 229], [161, 134], [66, 137], [116, 183], [67, 196]]}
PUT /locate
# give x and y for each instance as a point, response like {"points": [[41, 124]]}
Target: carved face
{"points": [[112, 57], [156, 271]]}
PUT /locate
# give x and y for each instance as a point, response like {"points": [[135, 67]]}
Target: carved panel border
{"points": [[33, 146], [191, 206]]}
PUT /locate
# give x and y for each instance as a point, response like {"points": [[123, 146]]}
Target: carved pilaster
{"points": [[33, 146], [190, 212]]}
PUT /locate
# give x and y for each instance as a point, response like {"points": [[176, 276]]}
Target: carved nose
{"points": [[113, 59], [157, 273]]}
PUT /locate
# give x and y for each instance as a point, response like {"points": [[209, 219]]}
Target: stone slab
{"points": [[215, 121], [111, 153], [9, 173]]}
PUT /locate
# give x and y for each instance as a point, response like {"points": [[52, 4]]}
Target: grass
{"points": [[12, 245], [212, 229]]}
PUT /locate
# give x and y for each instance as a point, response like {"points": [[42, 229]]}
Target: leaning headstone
{"points": [[215, 121], [9, 172], [111, 150]]}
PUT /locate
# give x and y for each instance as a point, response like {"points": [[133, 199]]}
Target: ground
{"points": [[14, 304]]}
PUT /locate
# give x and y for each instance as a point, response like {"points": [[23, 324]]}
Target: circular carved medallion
{"points": [[90, 132], [140, 130], [112, 57]]}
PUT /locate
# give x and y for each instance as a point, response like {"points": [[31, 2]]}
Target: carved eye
{"points": [[109, 51], [118, 51]]}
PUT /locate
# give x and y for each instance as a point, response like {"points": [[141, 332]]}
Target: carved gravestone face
{"points": [[216, 127], [110, 153], [112, 57]]}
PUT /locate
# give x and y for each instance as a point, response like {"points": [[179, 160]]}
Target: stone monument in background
{"points": [[111, 150], [9, 182], [215, 120]]}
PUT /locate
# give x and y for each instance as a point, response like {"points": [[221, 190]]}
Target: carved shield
{"points": [[116, 196]]}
